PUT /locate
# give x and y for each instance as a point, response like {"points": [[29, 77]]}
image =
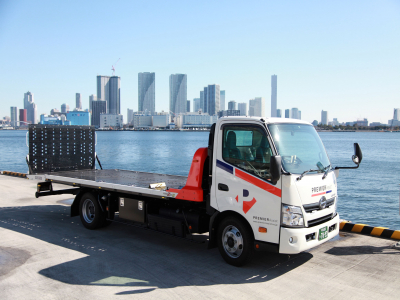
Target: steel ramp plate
{"points": [[124, 177]]}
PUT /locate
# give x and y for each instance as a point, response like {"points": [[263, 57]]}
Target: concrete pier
{"points": [[45, 254]]}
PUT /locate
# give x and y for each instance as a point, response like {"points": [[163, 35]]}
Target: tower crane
{"points": [[113, 67]]}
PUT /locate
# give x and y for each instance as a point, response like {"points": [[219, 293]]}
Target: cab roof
{"points": [[265, 120]]}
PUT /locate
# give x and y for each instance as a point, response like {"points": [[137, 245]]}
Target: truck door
{"points": [[241, 180]]}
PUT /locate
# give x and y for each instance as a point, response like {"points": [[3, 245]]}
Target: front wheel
{"points": [[91, 214], [235, 241]]}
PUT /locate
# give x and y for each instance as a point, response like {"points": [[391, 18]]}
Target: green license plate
{"points": [[323, 233]]}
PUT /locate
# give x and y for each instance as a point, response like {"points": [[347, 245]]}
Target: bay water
{"points": [[368, 195]]}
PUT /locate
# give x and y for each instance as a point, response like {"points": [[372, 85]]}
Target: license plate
{"points": [[323, 233]]}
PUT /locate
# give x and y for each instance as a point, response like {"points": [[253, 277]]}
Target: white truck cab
{"points": [[275, 174]]}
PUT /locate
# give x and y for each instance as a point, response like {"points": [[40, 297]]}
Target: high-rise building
{"points": [[177, 93], [205, 100], [78, 100], [396, 114], [295, 113], [279, 113], [299, 115], [287, 113], [109, 89], [188, 106], [257, 107], [98, 107], [64, 108], [130, 116], [324, 117], [222, 100], [114, 104], [274, 95], [232, 105], [242, 107], [91, 99], [202, 101], [30, 107], [23, 117], [196, 104], [14, 116], [213, 97], [103, 88], [147, 92]]}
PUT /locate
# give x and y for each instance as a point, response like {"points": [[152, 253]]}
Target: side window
{"points": [[248, 148]]}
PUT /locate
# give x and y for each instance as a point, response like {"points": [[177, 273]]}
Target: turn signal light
{"points": [[262, 229]]}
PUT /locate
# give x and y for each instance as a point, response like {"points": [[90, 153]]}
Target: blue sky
{"points": [[340, 56]]}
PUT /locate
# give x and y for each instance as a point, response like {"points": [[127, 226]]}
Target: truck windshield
{"points": [[300, 147]]}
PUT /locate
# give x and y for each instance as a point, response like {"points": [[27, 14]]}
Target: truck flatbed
{"points": [[120, 180]]}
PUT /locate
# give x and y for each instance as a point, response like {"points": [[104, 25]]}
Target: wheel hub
{"points": [[232, 241], [88, 210]]}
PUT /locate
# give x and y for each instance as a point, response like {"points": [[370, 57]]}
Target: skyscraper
{"points": [[108, 89], [396, 114], [98, 107], [232, 105], [279, 113], [30, 107], [295, 113], [243, 108], [147, 92], [213, 97], [287, 113], [64, 108], [130, 116], [205, 100], [23, 117], [196, 104], [91, 99], [188, 106], [222, 100], [78, 101], [114, 103], [324, 117], [14, 116], [202, 101], [274, 95], [257, 107], [177, 93]]}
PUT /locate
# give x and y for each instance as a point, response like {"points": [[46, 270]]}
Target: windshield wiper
{"points": [[327, 169], [305, 172]]}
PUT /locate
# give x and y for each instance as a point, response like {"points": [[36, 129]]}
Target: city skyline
{"points": [[341, 57]]}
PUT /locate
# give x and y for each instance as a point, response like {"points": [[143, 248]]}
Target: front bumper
{"points": [[300, 242]]}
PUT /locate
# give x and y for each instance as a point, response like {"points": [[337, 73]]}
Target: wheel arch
{"points": [[216, 219]]}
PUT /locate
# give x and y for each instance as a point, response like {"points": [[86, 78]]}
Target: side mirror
{"points": [[357, 157], [275, 168]]}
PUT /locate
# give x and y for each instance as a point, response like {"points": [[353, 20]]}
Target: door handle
{"points": [[223, 187]]}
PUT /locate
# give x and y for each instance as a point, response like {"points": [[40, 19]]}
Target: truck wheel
{"points": [[235, 241], [92, 216]]}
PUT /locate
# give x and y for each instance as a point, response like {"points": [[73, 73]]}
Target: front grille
{"points": [[319, 220], [315, 206]]}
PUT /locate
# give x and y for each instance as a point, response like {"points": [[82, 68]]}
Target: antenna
{"points": [[113, 67]]}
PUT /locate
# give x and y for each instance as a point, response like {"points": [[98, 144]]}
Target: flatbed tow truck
{"points": [[260, 185]]}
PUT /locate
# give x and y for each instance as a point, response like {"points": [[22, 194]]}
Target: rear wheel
{"points": [[235, 241], [91, 214]]}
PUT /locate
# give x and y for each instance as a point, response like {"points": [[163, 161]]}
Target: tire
{"points": [[235, 241], [91, 214]]}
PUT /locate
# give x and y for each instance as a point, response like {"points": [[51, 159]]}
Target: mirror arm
{"points": [[337, 168]]}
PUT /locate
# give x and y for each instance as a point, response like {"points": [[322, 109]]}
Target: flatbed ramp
{"points": [[115, 179]]}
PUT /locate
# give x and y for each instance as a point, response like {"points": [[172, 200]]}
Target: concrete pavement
{"points": [[46, 254]]}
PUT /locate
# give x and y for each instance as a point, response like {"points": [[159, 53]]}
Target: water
{"points": [[368, 195]]}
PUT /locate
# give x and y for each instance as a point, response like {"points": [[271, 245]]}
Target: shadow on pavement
{"points": [[357, 250], [121, 255]]}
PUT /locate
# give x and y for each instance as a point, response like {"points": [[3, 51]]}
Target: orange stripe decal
{"points": [[258, 182]]}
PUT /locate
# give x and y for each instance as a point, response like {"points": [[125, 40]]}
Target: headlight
{"points": [[292, 216]]}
